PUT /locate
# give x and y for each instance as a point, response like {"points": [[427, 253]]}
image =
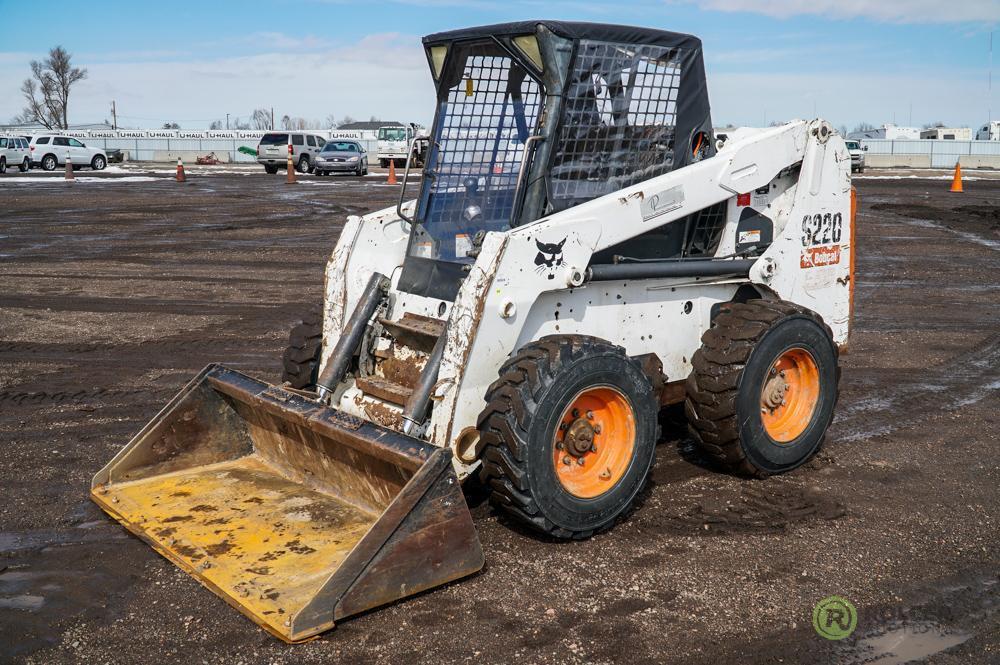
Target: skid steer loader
{"points": [[581, 251]]}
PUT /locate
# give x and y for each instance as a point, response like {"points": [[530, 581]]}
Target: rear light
{"points": [[743, 200]]}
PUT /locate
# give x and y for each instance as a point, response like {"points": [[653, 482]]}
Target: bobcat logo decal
{"points": [[549, 257]]}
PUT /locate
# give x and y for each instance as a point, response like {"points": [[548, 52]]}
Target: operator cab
{"points": [[539, 116]]}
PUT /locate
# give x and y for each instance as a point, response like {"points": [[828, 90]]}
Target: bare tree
{"points": [[171, 125], [864, 127], [937, 124], [47, 91], [331, 121], [296, 123], [261, 119], [216, 124], [346, 120]]}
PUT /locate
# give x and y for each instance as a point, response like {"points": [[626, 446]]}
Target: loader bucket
{"points": [[295, 513]]}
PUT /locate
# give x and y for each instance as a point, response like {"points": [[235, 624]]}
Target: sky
{"points": [[849, 61]]}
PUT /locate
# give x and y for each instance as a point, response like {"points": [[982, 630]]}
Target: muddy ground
{"points": [[115, 292]]}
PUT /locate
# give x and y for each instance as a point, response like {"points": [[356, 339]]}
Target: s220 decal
{"points": [[822, 229]]}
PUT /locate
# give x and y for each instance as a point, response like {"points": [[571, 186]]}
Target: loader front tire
{"points": [[763, 387], [569, 433], [301, 359]]}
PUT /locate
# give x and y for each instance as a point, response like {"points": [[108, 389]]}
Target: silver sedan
{"points": [[342, 157]]}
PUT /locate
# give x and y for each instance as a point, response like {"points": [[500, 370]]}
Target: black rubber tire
{"points": [[300, 362], [384, 163], [98, 163], [729, 370], [24, 166], [270, 170], [303, 165], [517, 427], [49, 163], [3, 164]]}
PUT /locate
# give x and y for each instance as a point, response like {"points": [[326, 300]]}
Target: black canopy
{"points": [[606, 32]]}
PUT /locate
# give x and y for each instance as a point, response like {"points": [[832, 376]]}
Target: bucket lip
{"points": [[390, 445]]}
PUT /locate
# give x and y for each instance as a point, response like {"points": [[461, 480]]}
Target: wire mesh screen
{"points": [[619, 122], [483, 124], [706, 230]]}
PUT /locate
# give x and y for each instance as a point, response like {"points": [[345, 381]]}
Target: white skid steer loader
{"points": [[582, 250]]}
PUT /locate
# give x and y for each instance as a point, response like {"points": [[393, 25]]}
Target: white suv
{"points": [[272, 151], [14, 152], [50, 152]]}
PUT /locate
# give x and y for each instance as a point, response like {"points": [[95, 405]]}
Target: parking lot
{"points": [[118, 288]]}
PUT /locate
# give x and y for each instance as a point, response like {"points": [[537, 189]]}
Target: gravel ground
{"points": [[117, 290]]}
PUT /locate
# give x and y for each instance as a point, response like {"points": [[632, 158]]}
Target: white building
{"points": [[888, 132], [947, 134]]}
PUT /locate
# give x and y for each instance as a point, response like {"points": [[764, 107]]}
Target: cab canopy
{"points": [[535, 117]]}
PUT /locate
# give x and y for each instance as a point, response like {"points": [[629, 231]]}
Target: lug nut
{"points": [[560, 446], [564, 427], [781, 373], [763, 409], [590, 415], [576, 413], [597, 428], [783, 402], [566, 460], [593, 448], [580, 461]]}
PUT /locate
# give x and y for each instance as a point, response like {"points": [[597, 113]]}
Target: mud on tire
{"points": [[526, 409], [301, 359], [726, 388]]}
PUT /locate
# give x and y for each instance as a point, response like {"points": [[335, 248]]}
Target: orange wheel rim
{"points": [[789, 396], [594, 442]]}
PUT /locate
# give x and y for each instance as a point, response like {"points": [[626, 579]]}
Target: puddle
{"points": [[29, 603], [909, 643]]}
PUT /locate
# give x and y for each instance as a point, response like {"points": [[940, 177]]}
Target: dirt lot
{"points": [[116, 291]]}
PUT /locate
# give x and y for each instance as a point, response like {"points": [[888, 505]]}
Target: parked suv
{"points": [[272, 151], [342, 157], [857, 156], [50, 151], [14, 152]]}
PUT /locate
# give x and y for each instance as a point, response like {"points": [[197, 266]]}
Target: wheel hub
{"points": [[579, 439], [774, 391]]}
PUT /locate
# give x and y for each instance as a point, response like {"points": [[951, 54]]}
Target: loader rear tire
{"points": [[554, 398], [763, 387], [301, 359]]}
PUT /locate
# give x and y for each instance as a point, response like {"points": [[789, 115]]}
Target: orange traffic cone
{"points": [[290, 180], [392, 172], [69, 167], [180, 171], [956, 184]]}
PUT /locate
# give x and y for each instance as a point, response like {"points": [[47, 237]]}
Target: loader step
{"points": [[390, 391], [415, 331]]}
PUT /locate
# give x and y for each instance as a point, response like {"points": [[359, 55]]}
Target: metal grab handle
{"points": [[402, 190], [529, 148]]}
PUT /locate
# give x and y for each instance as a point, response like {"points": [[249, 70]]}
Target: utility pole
{"points": [[114, 115], [272, 117], [227, 121]]}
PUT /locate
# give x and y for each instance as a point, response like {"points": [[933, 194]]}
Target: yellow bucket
{"points": [[295, 513]]}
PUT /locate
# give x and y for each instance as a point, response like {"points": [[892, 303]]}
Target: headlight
{"points": [[352, 159]]}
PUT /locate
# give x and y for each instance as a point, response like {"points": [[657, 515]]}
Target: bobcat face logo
{"points": [[549, 257]]}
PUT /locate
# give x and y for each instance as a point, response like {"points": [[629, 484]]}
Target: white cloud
{"points": [[384, 75], [845, 98], [896, 11]]}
